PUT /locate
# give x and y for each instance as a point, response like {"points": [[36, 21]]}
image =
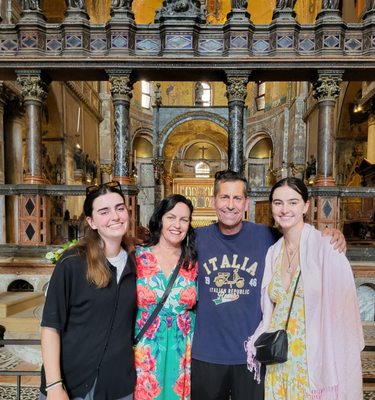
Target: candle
{"points": [[269, 158], [78, 118], [135, 158]]}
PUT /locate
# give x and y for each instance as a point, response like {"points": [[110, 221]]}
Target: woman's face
{"points": [[175, 224], [288, 207], [110, 217]]}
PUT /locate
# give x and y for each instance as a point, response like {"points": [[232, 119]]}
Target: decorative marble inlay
{"points": [[327, 208], [74, 41], [238, 42], [179, 42], [285, 42], [306, 45], [54, 45], [147, 45], [261, 46], [210, 45], [8, 45], [30, 231], [119, 42], [29, 41], [98, 44], [353, 44], [331, 41], [30, 206]]}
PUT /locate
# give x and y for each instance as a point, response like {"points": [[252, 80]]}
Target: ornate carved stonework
{"points": [[236, 88], [33, 87], [330, 4], [370, 5], [283, 4], [327, 87], [106, 169], [179, 8], [157, 93], [121, 87], [239, 4], [77, 4], [122, 4], [30, 5]]}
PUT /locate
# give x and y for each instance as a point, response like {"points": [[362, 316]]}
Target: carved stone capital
{"points": [[327, 86], [33, 87], [236, 88], [122, 87], [106, 169]]}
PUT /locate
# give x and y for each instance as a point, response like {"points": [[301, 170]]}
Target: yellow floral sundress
{"points": [[288, 381]]}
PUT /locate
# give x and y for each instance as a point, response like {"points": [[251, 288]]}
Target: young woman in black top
{"points": [[88, 318]]}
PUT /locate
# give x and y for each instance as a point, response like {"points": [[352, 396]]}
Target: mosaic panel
{"points": [[261, 46], [119, 41], [331, 41], [54, 45], [73, 41], [353, 44], [8, 45], [29, 41], [98, 44], [327, 208], [285, 42], [150, 45], [179, 42], [306, 44], [211, 45], [238, 42]]}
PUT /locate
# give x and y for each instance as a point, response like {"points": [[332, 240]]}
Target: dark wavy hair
{"points": [[155, 226], [294, 183], [229, 176]]}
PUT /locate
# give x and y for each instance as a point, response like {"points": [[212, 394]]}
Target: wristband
{"points": [[53, 384]]}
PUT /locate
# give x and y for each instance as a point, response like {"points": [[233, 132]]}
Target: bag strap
{"points": [[162, 301], [291, 303]]}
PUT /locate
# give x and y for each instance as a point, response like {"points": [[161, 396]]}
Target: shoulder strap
{"points": [[291, 303], [162, 301]]}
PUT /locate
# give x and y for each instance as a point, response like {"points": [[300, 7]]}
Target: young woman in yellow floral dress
{"points": [[325, 335]]}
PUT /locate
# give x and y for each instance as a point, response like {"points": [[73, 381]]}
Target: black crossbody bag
{"points": [[272, 347], [162, 301]]}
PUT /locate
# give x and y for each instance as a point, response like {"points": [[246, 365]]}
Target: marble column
{"points": [[2, 175], [236, 94], [371, 136], [326, 91], [121, 94], [33, 209], [34, 92], [13, 164]]}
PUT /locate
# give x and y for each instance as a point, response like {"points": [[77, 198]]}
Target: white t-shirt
{"points": [[119, 262]]}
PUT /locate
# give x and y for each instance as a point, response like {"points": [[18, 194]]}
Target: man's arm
{"points": [[338, 239]]}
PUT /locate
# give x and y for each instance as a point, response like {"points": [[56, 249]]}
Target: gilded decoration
{"points": [[237, 88], [33, 87], [106, 169], [121, 87], [327, 87]]}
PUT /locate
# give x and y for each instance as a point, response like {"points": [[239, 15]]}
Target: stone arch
{"points": [[184, 117], [20, 285]]}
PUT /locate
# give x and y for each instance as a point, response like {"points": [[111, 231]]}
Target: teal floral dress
{"points": [[163, 355]]}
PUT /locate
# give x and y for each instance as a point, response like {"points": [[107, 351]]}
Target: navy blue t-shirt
{"points": [[229, 282]]}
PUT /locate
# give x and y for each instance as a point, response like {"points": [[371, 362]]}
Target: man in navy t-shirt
{"points": [[231, 256]]}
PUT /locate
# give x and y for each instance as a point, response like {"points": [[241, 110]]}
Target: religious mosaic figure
{"points": [[282, 4], [30, 4], [331, 4]]}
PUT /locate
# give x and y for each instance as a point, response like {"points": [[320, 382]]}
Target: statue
{"points": [[30, 4], [199, 93], [311, 167], [158, 98], [330, 4], [282, 4], [239, 4], [80, 4], [78, 158], [122, 4]]}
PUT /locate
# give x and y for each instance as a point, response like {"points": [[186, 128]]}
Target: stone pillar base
{"points": [[38, 180], [325, 181]]}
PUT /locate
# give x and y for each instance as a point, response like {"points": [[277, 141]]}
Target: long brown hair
{"points": [[92, 246]]}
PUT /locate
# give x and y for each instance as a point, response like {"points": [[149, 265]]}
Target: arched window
{"points": [[146, 94], [202, 170], [206, 97], [260, 98]]}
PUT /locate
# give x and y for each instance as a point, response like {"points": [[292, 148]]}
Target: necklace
{"points": [[290, 258]]}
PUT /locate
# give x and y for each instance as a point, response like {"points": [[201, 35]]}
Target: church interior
{"points": [[160, 95]]}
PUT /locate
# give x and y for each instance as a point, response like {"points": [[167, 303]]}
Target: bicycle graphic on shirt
{"points": [[223, 278]]}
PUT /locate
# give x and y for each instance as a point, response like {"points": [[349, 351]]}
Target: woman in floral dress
{"points": [[325, 335], [163, 354]]}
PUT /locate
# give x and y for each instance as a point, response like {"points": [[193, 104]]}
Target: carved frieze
{"points": [[327, 87]]}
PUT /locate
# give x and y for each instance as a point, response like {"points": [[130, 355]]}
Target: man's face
{"points": [[230, 203]]}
